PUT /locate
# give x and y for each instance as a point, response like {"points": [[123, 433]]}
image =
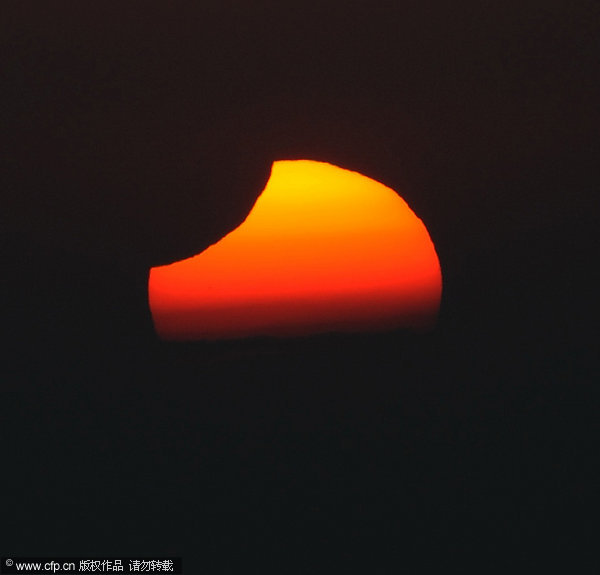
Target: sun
{"points": [[324, 249]]}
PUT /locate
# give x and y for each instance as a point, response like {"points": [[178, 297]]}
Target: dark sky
{"points": [[137, 135]]}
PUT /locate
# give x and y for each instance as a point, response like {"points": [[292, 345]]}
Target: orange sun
{"points": [[323, 250]]}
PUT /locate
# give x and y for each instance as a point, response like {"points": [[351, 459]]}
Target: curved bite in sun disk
{"points": [[324, 249]]}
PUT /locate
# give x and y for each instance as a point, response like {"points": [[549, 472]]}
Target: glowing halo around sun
{"points": [[324, 249]]}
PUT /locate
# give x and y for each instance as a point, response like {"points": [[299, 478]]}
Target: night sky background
{"points": [[136, 134]]}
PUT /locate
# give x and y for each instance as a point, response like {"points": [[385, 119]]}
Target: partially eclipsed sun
{"points": [[323, 250]]}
